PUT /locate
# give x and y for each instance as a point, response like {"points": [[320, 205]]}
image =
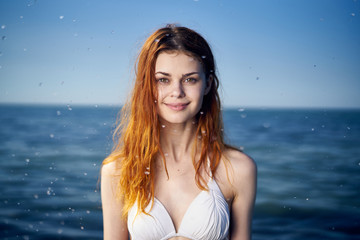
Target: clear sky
{"points": [[269, 53]]}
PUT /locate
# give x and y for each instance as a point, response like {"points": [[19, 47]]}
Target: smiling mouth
{"points": [[177, 106]]}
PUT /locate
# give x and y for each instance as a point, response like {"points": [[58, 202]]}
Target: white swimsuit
{"points": [[207, 218]]}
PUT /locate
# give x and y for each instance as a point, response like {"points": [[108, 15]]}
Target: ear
{"points": [[208, 84]]}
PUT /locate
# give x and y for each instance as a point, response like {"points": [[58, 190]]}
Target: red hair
{"points": [[136, 137]]}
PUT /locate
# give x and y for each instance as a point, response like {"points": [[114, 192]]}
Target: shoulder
{"points": [[109, 167], [241, 171], [242, 175], [109, 176], [240, 163]]}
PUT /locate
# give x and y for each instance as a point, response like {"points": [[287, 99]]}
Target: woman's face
{"points": [[181, 86]]}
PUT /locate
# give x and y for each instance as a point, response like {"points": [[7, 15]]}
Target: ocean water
{"points": [[308, 170]]}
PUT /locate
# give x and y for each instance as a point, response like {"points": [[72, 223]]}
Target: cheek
{"points": [[196, 93], [160, 93]]}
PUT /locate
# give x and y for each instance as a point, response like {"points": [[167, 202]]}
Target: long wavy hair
{"points": [[137, 135]]}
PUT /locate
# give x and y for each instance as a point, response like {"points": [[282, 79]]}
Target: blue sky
{"points": [[269, 53]]}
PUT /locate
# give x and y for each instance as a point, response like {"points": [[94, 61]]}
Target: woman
{"points": [[170, 175]]}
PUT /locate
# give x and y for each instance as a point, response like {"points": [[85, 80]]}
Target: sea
{"points": [[308, 170]]}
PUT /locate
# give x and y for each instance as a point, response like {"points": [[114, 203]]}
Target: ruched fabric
{"points": [[207, 217]]}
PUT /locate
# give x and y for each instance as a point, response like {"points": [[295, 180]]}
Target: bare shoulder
{"points": [[115, 226], [108, 169], [243, 178], [241, 164]]}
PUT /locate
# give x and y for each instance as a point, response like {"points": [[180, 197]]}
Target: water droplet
{"points": [[36, 196], [203, 56], [352, 14], [166, 154], [27, 160], [266, 125], [348, 128], [155, 101], [85, 174], [313, 129], [25, 49], [307, 199], [203, 132], [3, 26], [163, 126], [241, 109], [49, 191], [201, 113], [52, 135], [59, 231], [243, 115], [88, 211], [61, 17], [58, 113], [147, 172], [69, 107], [82, 227], [21, 17], [157, 40]]}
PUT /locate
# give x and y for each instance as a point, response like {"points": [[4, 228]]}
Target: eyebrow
{"points": [[184, 75]]}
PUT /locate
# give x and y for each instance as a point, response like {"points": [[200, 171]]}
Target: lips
{"points": [[177, 106]]}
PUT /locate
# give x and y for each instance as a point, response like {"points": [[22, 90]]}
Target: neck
{"points": [[177, 139]]}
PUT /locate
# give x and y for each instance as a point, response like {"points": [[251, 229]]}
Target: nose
{"points": [[177, 90]]}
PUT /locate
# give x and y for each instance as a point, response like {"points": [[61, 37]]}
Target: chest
{"points": [[205, 217], [178, 190]]}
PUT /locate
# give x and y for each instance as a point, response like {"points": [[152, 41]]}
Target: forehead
{"points": [[177, 62]]}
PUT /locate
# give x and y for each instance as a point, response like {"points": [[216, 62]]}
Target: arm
{"points": [[115, 226], [244, 189]]}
